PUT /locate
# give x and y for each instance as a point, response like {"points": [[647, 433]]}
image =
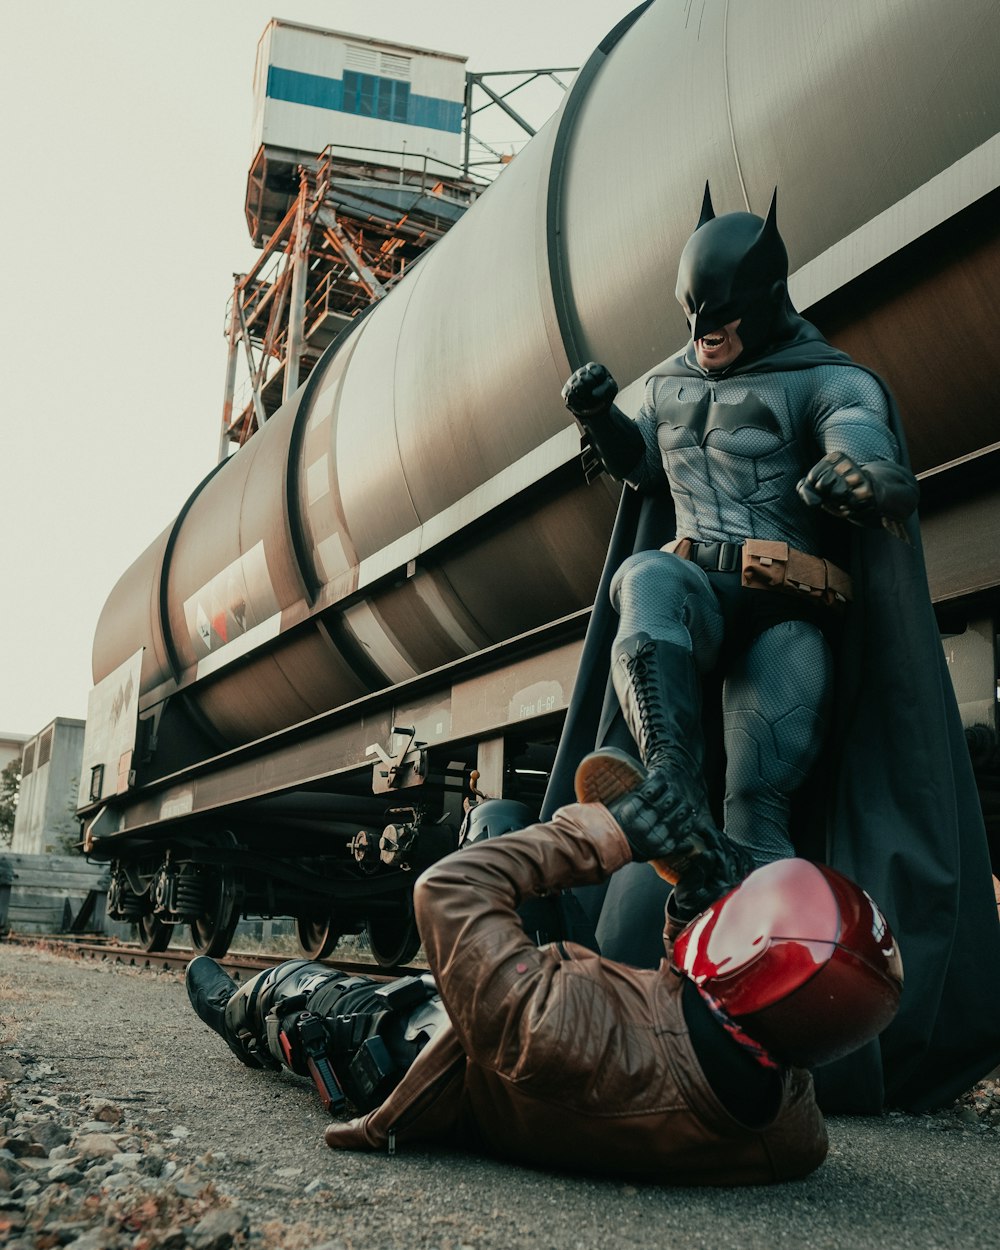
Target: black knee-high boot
{"points": [[661, 803], [659, 691], [660, 695]]}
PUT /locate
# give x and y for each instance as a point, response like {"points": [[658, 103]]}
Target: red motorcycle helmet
{"points": [[800, 957]]}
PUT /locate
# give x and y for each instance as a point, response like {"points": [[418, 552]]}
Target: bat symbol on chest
{"points": [[707, 414]]}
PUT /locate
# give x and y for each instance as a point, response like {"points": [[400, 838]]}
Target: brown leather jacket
{"points": [[561, 1058]]}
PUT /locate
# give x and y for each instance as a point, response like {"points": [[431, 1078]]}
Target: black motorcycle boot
{"points": [[238, 1013], [211, 992]]}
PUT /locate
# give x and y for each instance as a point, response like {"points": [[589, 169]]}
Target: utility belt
{"points": [[764, 565]]}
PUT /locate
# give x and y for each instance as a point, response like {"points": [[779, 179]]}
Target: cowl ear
{"points": [[770, 228], [707, 211]]}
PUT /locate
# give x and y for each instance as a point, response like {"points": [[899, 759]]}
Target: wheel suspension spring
{"points": [[123, 902], [192, 894], [130, 909]]}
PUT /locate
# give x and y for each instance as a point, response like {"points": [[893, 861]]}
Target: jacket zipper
{"points": [[411, 1112]]}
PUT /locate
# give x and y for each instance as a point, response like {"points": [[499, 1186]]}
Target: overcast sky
{"points": [[126, 144]]}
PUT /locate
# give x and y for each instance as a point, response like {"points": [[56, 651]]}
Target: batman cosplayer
{"points": [[773, 640]]}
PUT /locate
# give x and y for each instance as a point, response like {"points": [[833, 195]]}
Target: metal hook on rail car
{"points": [[393, 771]]}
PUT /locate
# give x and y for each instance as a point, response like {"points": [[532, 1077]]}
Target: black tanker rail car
{"points": [[371, 615]]}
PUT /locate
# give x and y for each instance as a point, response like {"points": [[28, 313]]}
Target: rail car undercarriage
{"points": [[306, 825], [210, 881]]}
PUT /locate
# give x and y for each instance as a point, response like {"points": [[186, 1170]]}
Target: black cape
{"points": [[893, 804]]}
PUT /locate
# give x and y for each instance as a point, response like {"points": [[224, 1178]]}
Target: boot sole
{"points": [[606, 775]]}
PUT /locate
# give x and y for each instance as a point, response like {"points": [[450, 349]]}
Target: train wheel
{"points": [[213, 930], [211, 933], [153, 934], [393, 938], [317, 935]]}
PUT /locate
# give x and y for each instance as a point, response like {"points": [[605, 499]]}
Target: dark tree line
{"points": [[10, 781]]}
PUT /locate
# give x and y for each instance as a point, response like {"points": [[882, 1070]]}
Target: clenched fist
{"points": [[590, 391], [841, 487]]}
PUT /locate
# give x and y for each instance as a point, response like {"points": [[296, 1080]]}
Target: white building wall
{"points": [[300, 103], [11, 746], [49, 782]]}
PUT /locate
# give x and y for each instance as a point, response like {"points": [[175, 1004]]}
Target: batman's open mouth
{"points": [[720, 348]]}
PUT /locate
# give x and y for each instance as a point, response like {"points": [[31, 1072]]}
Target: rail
{"points": [[239, 965]]}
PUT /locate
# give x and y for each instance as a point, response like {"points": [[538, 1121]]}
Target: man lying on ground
{"points": [[557, 1057]]}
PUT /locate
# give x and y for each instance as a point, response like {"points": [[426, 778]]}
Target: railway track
{"points": [[239, 965]]}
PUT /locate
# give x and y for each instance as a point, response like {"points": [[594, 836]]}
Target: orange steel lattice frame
{"points": [[349, 235], [359, 218]]}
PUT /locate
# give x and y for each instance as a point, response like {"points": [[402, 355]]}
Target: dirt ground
{"points": [[124, 1122]]}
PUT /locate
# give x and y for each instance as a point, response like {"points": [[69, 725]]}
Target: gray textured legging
{"points": [[775, 693]]}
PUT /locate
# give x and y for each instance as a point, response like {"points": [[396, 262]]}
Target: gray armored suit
{"points": [[733, 450]]}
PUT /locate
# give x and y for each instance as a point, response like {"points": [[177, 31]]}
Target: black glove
{"points": [[862, 494], [667, 819], [589, 396], [838, 485], [589, 392]]}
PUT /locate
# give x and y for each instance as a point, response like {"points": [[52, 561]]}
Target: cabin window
{"points": [[370, 96]]}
